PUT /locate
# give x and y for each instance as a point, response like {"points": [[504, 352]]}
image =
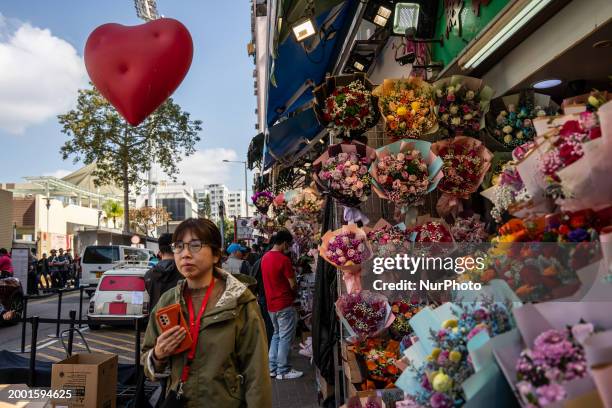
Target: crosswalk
{"points": [[118, 341]]}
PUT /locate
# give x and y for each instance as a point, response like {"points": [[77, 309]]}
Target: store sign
{"points": [[243, 230]]}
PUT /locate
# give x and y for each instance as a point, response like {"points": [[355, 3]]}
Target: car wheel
{"points": [[93, 326]]}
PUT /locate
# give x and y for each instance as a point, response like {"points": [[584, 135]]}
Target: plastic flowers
{"points": [[555, 358], [262, 200], [407, 107], [342, 171], [405, 171], [365, 314], [462, 103], [346, 105]]}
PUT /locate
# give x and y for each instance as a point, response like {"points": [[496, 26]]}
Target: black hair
{"points": [[165, 242], [281, 237], [3, 251], [205, 230]]}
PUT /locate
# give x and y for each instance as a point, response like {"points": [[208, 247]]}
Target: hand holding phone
{"points": [[175, 337]]}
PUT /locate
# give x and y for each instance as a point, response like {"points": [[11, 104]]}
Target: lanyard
{"points": [[194, 327]]}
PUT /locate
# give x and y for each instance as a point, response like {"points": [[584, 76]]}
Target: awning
{"points": [[288, 137], [255, 151], [294, 67]]}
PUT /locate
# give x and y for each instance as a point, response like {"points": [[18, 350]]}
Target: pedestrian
{"points": [[32, 287], [42, 269], [6, 265], [70, 266], [250, 257], [226, 365], [280, 286], [164, 275], [54, 270], [234, 263], [63, 267], [261, 300]]}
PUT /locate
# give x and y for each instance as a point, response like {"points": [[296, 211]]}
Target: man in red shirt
{"points": [[279, 284]]}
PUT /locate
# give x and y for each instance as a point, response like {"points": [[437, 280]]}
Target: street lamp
{"points": [[246, 191]]}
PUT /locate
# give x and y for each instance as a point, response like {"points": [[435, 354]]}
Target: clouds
{"points": [[40, 75], [206, 167]]}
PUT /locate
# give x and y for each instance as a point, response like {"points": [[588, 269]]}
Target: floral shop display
{"points": [[305, 234], [262, 201], [469, 229], [306, 204], [510, 118], [407, 108], [432, 237], [343, 173], [347, 249], [364, 314], [388, 240], [441, 376], [378, 356], [465, 164], [404, 309], [590, 102], [404, 172], [280, 209], [345, 105], [462, 104]]}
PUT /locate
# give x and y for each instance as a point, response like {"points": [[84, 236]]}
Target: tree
{"points": [[124, 153], [113, 209], [145, 220], [205, 211], [228, 231]]}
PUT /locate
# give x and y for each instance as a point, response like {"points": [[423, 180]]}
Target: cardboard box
{"points": [[350, 365], [91, 378]]}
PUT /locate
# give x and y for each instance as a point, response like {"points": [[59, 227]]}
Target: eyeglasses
{"points": [[193, 245]]}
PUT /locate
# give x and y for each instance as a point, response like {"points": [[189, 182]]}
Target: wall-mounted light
{"points": [[382, 16], [513, 25], [406, 17], [546, 83], [378, 12], [304, 29]]}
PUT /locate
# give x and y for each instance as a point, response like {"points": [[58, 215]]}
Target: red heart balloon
{"points": [[137, 68]]}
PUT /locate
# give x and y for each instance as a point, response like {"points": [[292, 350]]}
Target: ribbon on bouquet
{"points": [[355, 215], [352, 278]]}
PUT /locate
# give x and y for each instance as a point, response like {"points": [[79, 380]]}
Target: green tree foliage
{"points": [[124, 153], [206, 210], [113, 209]]}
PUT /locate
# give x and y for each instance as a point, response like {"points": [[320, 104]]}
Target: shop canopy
{"points": [[290, 136]]}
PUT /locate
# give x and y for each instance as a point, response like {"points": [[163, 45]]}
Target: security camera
{"points": [[407, 58]]}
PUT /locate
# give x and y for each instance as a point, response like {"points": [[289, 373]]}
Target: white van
{"points": [[97, 259]]}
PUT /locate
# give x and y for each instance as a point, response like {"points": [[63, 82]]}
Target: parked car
{"points": [[11, 295], [120, 296], [97, 259]]}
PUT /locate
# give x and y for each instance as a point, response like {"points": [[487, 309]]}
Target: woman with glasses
{"points": [[227, 365]]}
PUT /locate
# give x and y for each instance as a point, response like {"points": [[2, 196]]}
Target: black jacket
{"points": [[160, 278]]}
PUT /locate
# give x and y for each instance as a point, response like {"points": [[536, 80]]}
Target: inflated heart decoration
{"points": [[137, 68]]}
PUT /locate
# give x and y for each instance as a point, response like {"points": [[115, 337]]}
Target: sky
{"points": [[41, 69]]}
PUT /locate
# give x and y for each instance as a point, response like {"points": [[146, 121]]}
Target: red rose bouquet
{"points": [[365, 314]]}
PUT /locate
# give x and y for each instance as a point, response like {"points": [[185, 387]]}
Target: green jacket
{"points": [[230, 368]]}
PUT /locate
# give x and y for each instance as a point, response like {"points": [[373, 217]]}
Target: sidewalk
{"points": [[298, 393]]}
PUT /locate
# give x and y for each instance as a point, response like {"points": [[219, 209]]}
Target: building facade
{"points": [[177, 198]]}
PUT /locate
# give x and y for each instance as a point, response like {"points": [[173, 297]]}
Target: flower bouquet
{"points": [[442, 376], [345, 104], [590, 102], [432, 237], [555, 358], [569, 146], [262, 200], [462, 103], [347, 248], [303, 233], [407, 108], [469, 229], [342, 172], [405, 171], [510, 119], [306, 204], [280, 209], [387, 240], [404, 310], [379, 356], [365, 314], [466, 162]]}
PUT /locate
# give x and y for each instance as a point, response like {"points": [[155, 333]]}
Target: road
{"points": [[116, 340]]}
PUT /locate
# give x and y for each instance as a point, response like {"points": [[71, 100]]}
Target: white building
{"points": [[234, 201], [177, 198]]}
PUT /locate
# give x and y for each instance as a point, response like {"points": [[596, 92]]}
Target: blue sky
{"points": [[218, 88]]}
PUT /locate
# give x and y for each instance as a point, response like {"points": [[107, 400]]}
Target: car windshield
{"points": [[101, 254], [122, 283]]}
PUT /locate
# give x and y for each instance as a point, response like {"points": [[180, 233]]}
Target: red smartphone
{"points": [[170, 316]]}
